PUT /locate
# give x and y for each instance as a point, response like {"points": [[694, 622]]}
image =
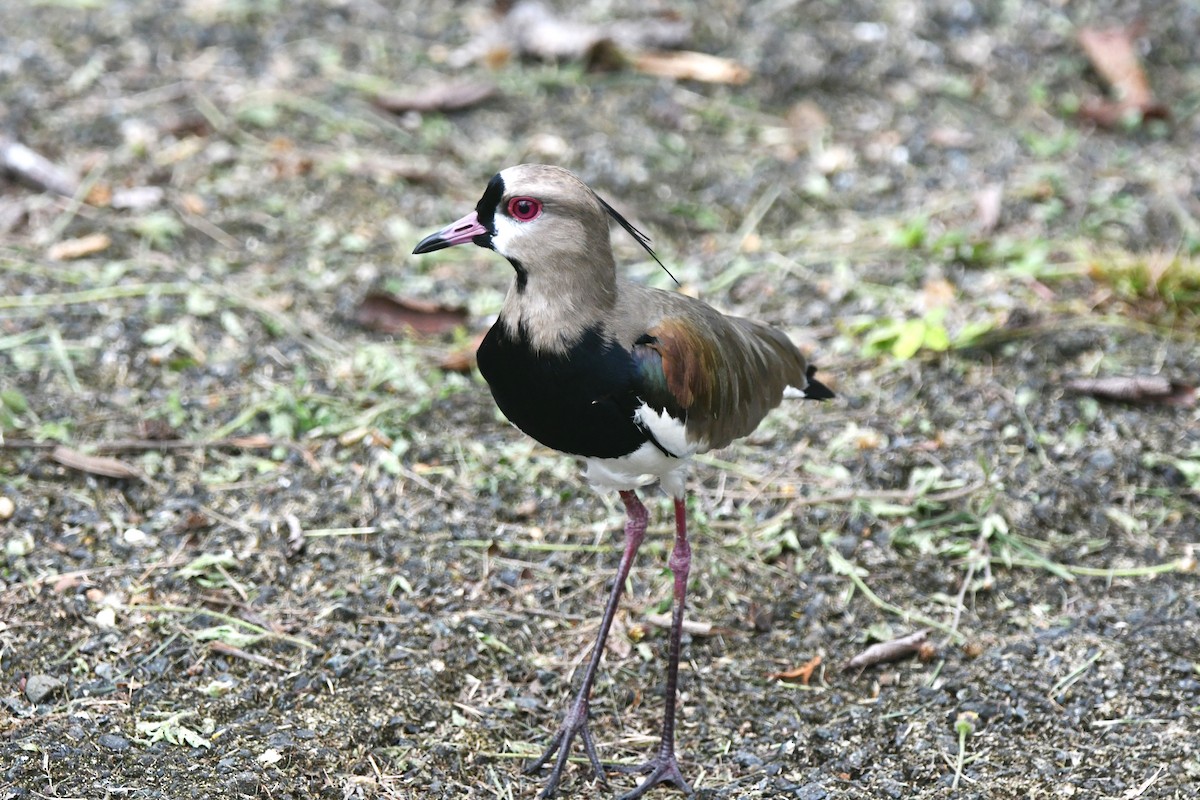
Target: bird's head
{"points": [[540, 218]]}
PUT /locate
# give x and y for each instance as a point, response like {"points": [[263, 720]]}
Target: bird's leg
{"points": [[664, 768], [576, 720]]}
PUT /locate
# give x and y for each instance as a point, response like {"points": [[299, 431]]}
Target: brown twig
{"points": [[237, 652], [885, 652], [903, 495], [35, 169], [135, 445]]}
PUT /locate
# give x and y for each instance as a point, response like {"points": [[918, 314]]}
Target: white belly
{"points": [[644, 465]]}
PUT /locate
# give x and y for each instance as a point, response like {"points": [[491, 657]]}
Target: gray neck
{"points": [[555, 305]]}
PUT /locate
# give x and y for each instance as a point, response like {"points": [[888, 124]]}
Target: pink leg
{"points": [[576, 720], [663, 767]]}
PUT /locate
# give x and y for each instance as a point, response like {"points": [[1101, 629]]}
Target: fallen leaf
{"points": [[288, 160], [67, 583], [884, 652], [803, 672], [93, 465], [462, 360], [193, 203], [1113, 54], [1136, 389], [760, 617], [155, 429], [100, 195], [937, 293], [387, 313], [451, 96], [691, 66], [184, 124], [69, 249]]}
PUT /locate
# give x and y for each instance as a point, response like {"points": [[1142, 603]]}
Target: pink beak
{"points": [[467, 229]]}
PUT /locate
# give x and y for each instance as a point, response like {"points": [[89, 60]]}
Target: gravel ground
{"points": [[286, 555]]}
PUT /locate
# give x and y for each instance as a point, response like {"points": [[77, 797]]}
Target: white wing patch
{"points": [[669, 432], [792, 393], [648, 463]]}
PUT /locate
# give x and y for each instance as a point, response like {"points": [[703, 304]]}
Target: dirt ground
{"points": [[326, 567]]}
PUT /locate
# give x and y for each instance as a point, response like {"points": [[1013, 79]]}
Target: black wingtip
{"points": [[815, 390], [638, 236]]}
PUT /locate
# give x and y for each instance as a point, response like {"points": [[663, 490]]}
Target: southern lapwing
{"points": [[631, 379]]}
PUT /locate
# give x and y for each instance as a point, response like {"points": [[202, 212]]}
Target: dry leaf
{"points": [[691, 66], [1113, 54], [67, 583], [463, 359], [884, 652], [453, 96], [155, 429], [184, 124], [388, 313], [937, 293], [78, 248], [803, 673], [193, 204], [93, 465], [1137, 389], [100, 195]]}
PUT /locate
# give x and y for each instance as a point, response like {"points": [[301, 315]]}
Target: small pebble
{"points": [[106, 618], [112, 741], [19, 546], [270, 756], [7, 508], [40, 687], [1102, 460], [135, 537]]}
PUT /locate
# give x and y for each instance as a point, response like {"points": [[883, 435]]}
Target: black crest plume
{"points": [[637, 235]]}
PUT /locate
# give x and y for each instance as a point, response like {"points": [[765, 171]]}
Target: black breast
{"points": [[580, 402]]}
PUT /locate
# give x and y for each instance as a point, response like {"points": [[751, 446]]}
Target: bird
{"points": [[630, 379]]}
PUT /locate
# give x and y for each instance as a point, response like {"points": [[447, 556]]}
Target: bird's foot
{"points": [[576, 724], [663, 768]]}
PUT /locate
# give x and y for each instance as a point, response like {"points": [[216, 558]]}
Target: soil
{"points": [[328, 568]]}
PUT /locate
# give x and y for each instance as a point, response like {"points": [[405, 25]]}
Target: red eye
{"points": [[524, 208]]}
